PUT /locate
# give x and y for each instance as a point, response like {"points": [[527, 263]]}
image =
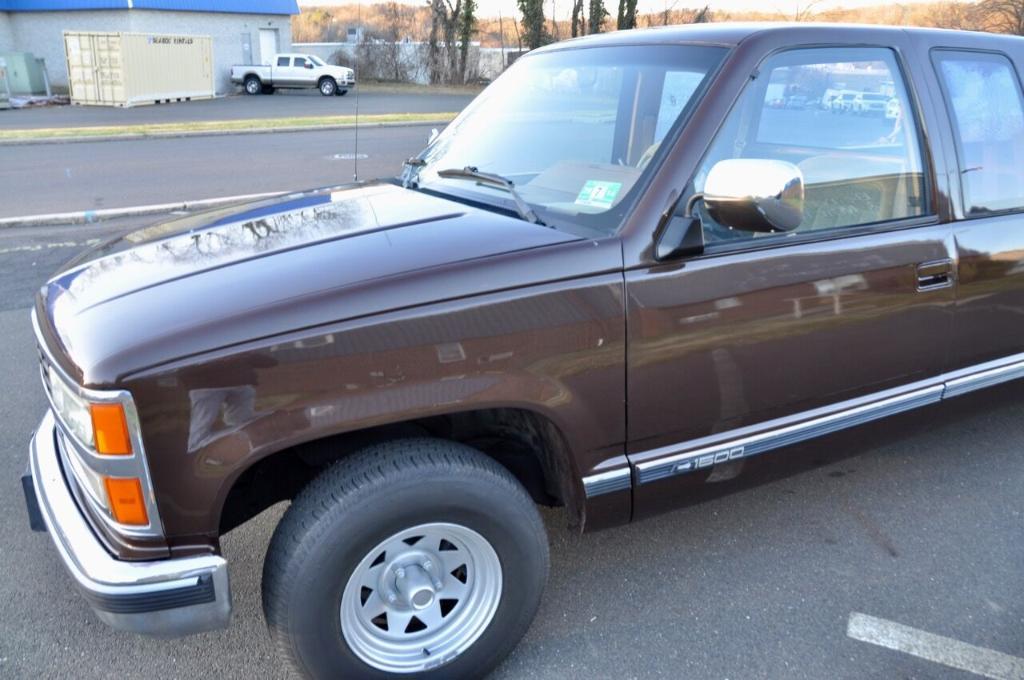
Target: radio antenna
{"points": [[355, 63]]}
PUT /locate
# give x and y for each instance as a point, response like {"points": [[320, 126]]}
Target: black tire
{"points": [[354, 505], [268, 89], [328, 86], [342, 92], [252, 85]]}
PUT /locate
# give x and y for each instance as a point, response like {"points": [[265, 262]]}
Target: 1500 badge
{"points": [[705, 460]]}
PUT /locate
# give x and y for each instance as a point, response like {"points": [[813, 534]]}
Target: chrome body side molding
{"points": [[984, 375], [607, 482], [750, 441]]}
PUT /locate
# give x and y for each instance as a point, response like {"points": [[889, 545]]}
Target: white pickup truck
{"points": [[294, 70]]}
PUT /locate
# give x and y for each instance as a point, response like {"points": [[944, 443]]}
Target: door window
{"points": [[282, 61], [843, 118], [983, 96], [300, 62]]}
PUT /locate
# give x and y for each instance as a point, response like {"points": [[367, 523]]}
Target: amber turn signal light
{"points": [[126, 501], [110, 429]]}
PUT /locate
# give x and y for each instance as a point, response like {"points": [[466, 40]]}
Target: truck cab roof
{"points": [[731, 34]]}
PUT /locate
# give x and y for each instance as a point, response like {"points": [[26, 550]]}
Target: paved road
{"points": [[53, 178], [917, 520], [279, 105], [49, 178]]}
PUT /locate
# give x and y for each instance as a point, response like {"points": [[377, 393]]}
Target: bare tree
{"points": [[434, 61], [596, 17], [535, 29], [804, 10], [380, 53], [953, 14], [448, 22], [519, 37], [1005, 16], [501, 37], [467, 27], [667, 12], [627, 15], [578, 26]]}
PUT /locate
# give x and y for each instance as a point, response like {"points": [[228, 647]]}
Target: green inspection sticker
{"points": [[598, 194]]}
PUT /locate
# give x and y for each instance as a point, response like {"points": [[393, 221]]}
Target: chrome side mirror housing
{"points": [[754, 194]]}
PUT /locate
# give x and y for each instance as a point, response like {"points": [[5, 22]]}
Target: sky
{"points": [[490, 8]]}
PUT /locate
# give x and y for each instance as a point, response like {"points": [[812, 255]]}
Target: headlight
{"points": [[72, 410], [101, 427], [101, 448], [93, 482]]}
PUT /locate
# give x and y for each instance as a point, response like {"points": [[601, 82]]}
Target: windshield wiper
{"points": [[497, 182]]}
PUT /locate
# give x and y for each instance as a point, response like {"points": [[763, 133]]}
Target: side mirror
{"points": [[754, 194], [309, 65]]}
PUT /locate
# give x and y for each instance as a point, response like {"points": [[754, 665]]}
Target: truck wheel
{"points": [[328, 86], [253, 85], [417, 558]]}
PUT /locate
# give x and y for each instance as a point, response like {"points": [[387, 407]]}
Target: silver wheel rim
{"points": [[252, 86], [327, 87], [421, 597]]}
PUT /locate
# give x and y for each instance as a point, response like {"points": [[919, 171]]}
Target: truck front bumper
{"points": [[163, 597]]}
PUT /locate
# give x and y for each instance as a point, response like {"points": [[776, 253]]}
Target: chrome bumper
{"points": [[164, 597]]}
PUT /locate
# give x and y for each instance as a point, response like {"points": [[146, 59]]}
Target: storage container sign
{"points": [[169, 40]]}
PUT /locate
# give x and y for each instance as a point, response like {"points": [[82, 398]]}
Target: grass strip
{"points": [[208, 126]]}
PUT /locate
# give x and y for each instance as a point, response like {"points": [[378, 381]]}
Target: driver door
{"points": [[303, 71], [761, 332]]}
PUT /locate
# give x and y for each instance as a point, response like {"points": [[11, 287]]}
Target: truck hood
{"points": [[246, 273]]}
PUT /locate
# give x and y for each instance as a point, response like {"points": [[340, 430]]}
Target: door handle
{"points": [[934, 275]]}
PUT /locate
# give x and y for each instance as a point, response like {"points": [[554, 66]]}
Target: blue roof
{"points": [[231, 6], [43, 5]]}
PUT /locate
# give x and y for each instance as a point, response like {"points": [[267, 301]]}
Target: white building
{"points": [[243, 31]]}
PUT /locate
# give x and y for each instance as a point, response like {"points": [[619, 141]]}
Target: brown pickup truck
{"points": [[635, 261]]}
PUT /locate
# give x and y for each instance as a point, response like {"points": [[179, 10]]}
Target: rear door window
{"points": [[282, 61], [983, 97]]}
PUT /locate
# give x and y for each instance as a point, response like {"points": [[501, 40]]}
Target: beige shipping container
{"points": [[129, 69]]}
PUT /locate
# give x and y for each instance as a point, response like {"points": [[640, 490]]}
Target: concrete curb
{"points": [[90, 216], [215, 133]]}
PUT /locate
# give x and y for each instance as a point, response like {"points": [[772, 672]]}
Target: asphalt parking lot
{"points": [[373, 99], [56, 178], [918, 520]]}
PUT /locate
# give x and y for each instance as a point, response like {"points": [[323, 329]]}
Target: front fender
{"points": [[556, 349]]}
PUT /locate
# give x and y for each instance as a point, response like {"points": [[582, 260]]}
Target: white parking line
{"points": [[88, 216], [947, 651], [38, 247]]}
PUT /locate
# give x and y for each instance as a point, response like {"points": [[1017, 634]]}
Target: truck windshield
{"points": [[575, 130], [316, 60]]}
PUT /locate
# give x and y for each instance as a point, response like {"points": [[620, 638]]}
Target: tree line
{"points": [[447, 27]]}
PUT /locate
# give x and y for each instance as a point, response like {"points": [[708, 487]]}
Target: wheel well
{"points": [[529, 445], [327, 77], [252, 76]]}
